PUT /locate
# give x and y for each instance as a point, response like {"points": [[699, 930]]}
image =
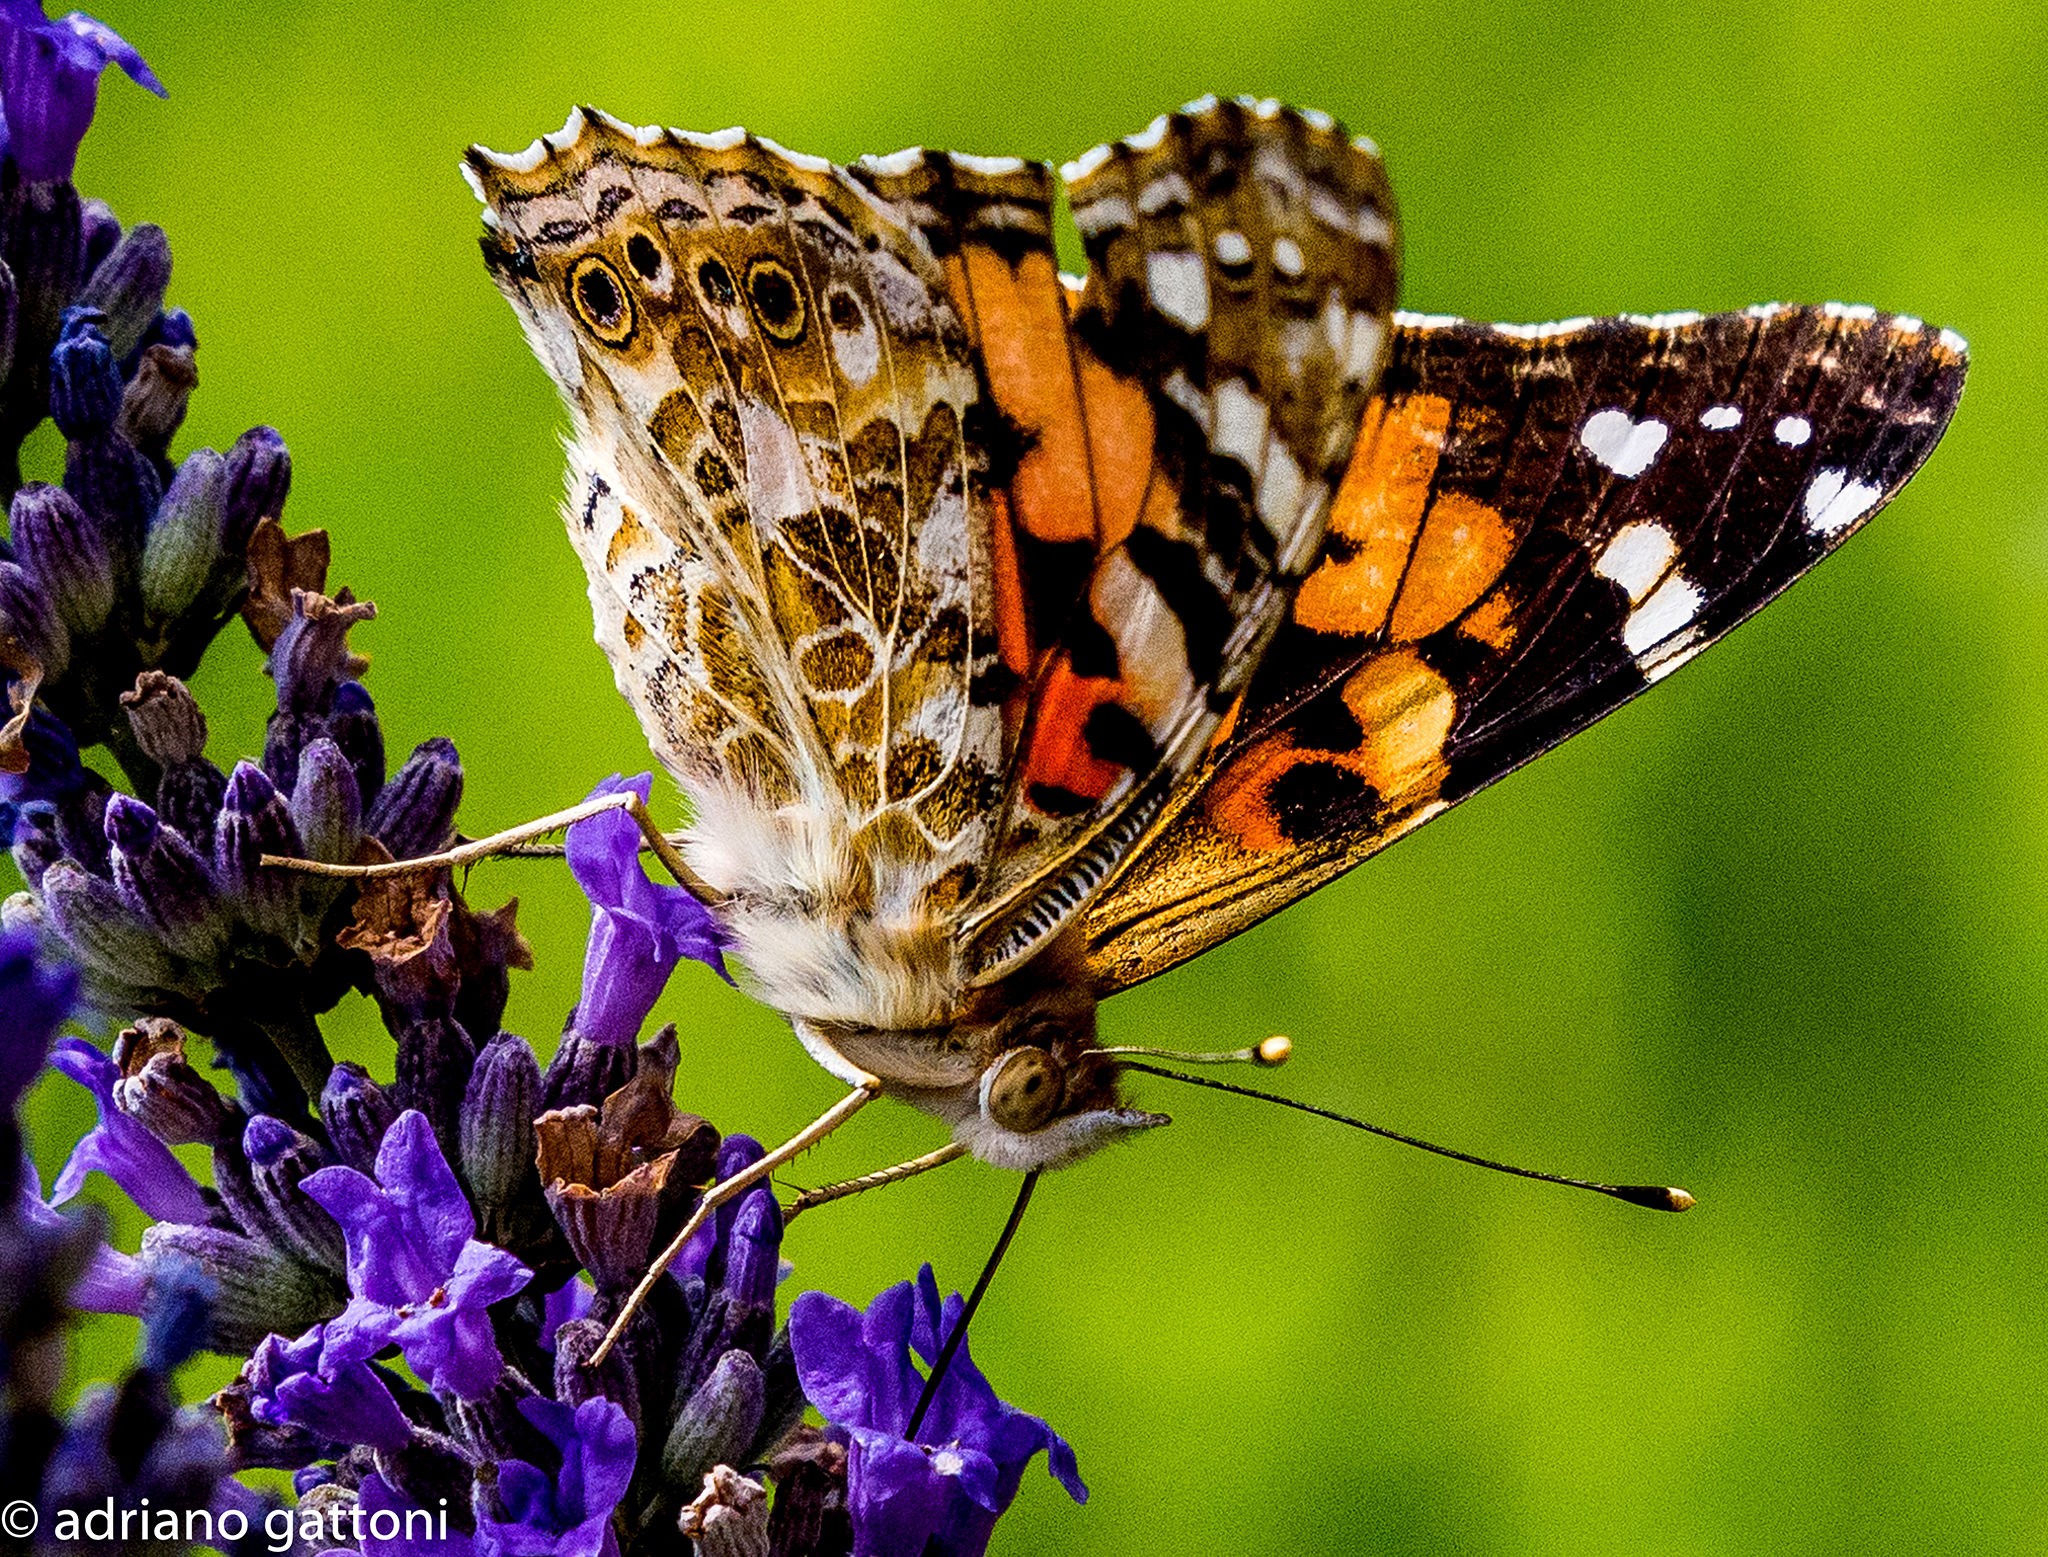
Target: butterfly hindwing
{"points": [[1539, 524], [1175, 447]]}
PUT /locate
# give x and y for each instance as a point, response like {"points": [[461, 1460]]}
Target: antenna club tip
{"points": [[1680, 1200], [1274, 1051]]}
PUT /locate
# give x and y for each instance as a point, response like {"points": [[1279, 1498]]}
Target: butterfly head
{"points": [[1018, 1076]]}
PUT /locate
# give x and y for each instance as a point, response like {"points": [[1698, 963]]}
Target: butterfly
{"points": [[1016, 637]]}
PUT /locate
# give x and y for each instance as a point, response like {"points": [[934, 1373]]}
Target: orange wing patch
{"points": [[1404, 711], [1395, 549]]}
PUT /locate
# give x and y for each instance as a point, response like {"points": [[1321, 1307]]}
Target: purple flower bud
{"points": [[128, 287], [704, 1256], [499, 1107], [753, 1257], [356, 1112], [259, 479], [432, 1069], [717, 1424], [161, 1091], [325, 806], [161, 878], [115, 482], [102, 931], [100, 230], [279, 1160], [67, 552], [415, 813], [172, 328], [54, 772], [259, 1287], [183, 549], [255, 821], [29, 616], [85, 380], [354, 729], [584, 1072]]}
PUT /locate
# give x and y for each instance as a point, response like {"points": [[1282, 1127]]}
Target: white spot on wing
{"points": [[896, 163], [1101, 215], [1287, 258], [1411, 321], [1169, 189], [476, 185], [1953, 342], [1792, 431], [798, 159], [1240, 423], [1848, 311], [1672, 607], [1374, 228], [988, 167], [1834, 502], [1089, 160], [1636, 557], [1232, 247], [1178, 282], [1539, 332], [1280, 489], [1364, 347], [1623, 445], [718, 140], [1148, 138], [1719, 418]]}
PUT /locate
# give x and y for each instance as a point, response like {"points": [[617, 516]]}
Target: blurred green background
{"points": [[1774, 933]]}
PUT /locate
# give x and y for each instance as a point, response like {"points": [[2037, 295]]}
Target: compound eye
{"points": [[600, 300], [1026, 1090]]}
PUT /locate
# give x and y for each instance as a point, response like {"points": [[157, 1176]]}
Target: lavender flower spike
{"points": [[50, 83], [416, 1273], [942, 1494], [121, 1148], [639, 931]]}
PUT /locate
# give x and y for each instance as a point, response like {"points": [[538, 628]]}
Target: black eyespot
{"points": [[715, 282], [600, 301], [842, 309], [643, 256], [777, 301]]}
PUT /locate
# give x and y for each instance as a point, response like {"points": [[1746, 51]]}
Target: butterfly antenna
{"points": [[1654, 1197], [988, 1271], [1273, 1051]]}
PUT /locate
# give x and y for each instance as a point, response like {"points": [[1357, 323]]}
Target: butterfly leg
{"points": [[499, 843], [865, 1092], [951, 1152]]}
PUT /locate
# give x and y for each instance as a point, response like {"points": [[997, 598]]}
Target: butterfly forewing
{"points": [[770, 486], [1541, 521]]}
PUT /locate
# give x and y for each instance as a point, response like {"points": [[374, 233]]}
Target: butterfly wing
{"points": [[1541, 522], [1165, 445], [771, 397]]}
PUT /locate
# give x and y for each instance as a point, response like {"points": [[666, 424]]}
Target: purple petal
{"points": [[381, 1269], [485, 1274], [418, 1179], [570, 1301], [122, 1148], [896, 1502], [115, 49], [113, 1282]]}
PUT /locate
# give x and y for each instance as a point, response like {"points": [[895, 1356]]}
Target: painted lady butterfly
{"points": [[1016, 638]]}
